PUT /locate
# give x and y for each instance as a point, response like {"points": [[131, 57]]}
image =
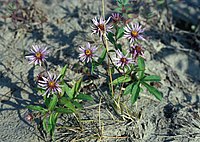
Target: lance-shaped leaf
{"points": [[128, 89], [63, 71], [68, 90], [44, 124], [84, 97], [77, 105], [141, 66], [110, 37], [76, 87], [52, 123], [153, 91], [135, 92], [152, 78], [120, 32], [53, 102], [102, 57], [47, 101], [67, 103], [37, 108], [122, 79], [100, 60], [63, 110]]}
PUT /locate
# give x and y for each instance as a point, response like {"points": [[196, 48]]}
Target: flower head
{"points": [[116, 17], [37, 55], [50, 84], [122, 60], [136, 51], [87, 53], [134, 32], [101, 26]]}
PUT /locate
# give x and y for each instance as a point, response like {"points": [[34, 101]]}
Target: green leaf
{"points": [[63, 100], [84, 97], [153, 91], [68, 90], [53, 102], [78, 105], [128, 8], [94, 65], [47, 100], [112, 70], [67, 103], [135, 92], [128, 89], [119, 3], [102, 57], [63, 71], [119, 46], [49, 126], [152, 78], [159, 2], [125, 2], [76, 87], [70, 106], [120, 32], [110, 37], [37, 108], [63, 110], [52, 122], [118, 9], [122, 79], [44, 124], [141, 66]]}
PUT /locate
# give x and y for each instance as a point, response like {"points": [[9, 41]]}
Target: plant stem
{"points": [[106, 45], [111, 58]]}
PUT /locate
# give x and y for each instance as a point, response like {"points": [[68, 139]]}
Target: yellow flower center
{"points": [[134, 33], [101, 27], [38, 55], [123, 60], [51, 84], [88, 52]]}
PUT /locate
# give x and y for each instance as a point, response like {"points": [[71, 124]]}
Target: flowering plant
{"points": [[59, 96], [126, 61]]}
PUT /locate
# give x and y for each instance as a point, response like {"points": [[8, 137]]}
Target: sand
{"points": [[172, 52]]}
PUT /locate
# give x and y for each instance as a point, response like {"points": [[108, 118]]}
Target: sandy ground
{"points": [[173, 54]]}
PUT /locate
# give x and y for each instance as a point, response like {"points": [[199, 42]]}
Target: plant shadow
{"points": [[14, 100]]}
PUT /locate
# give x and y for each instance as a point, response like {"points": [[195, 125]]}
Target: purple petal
{"points": [[88, 45]]}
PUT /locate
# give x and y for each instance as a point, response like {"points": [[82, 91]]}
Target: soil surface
{"points": [[172, 51]]}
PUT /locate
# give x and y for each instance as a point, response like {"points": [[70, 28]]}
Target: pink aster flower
{"points": [[136, 51], [101, 26], [134, 32], [38, 54], [87, 53], [50, 84], [122, 60], [116, 17]]}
